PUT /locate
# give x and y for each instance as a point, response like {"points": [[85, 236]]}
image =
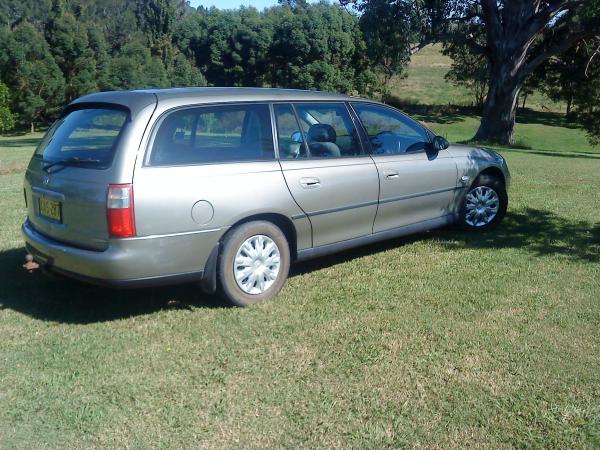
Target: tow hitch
{"points": [[30, 265]]}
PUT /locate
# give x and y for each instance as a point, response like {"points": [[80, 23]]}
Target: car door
{"points": [[326, 169], [415, 185]]}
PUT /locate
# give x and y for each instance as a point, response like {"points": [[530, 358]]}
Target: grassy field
{"points": [[425, 84], [444, 339]]}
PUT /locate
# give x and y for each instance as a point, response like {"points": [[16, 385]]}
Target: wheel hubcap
{"points": [[256, 265], [482, 206]]}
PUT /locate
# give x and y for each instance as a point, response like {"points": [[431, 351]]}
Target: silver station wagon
{"points": [[229, 186]]}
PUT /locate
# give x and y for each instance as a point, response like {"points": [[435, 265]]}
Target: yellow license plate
{"points": [[50, 209]]}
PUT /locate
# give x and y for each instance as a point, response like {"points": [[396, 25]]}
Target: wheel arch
{"points": [[494, 172], [284, 223]]}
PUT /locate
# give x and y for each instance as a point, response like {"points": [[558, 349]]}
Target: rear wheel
{"points": [[254, 263], [485, 204]]}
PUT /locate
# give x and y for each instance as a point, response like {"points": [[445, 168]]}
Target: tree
{"points": [[102, 59], [136, 68], [7, 120], [28, 68], [388, 37], [562, 76], [68, 41], [586, 93], [469, 69], [520, 35], [316, 46], [183, 73]]}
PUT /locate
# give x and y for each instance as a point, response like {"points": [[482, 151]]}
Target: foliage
{"points": [[89, 45], [586, 95], [388, 37], [468, 69], [68, 41], [36, 82], [7, 120], [316, 47], [514, 37]]}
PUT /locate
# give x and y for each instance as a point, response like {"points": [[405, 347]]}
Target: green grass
{"points": [[425, 84], [444, 339]]}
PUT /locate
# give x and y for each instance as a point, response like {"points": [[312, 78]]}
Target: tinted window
{"points": [[328, 130], [289, 136], [390, 132], [214, 134], [84, 134]]}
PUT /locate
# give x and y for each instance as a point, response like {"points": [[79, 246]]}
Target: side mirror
{"points": [[296, 137], [439, 143]]}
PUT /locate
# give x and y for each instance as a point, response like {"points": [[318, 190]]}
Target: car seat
{"points": [[321, 139]]}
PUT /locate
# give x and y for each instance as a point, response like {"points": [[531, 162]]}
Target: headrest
{"points": [[321, 132]]}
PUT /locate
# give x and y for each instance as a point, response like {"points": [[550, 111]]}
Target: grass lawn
{"points": [[444, 339]]}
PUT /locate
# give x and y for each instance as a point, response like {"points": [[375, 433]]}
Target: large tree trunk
{"points": [[512, 26], [498, 119], [569, 103], [32, 128]]}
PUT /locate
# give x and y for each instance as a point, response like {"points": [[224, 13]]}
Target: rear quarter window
{"points": [[213, 134], [85, 134]]}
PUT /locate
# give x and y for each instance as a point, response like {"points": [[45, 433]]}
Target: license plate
{"points": [[50, 209]]}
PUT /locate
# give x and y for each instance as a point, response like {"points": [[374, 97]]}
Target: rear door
{"points": [[326, 170], [415, 185], [67, 178]]}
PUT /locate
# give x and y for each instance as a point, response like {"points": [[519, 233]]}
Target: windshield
{"points": [[89, 134]]}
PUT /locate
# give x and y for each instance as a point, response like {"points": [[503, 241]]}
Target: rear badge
{"points": [[46, 181]]}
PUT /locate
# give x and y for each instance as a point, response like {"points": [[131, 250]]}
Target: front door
{"points": [[327, 172], [415, 186]]}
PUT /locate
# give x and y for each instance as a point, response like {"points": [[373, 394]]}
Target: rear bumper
{"points": [[136, 262]]}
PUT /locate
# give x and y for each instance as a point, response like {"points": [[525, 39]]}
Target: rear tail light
{"points": [[119, 211]]}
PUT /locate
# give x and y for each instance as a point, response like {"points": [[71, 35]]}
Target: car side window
{"points": [[390, 132], [213, 134], [328, 129], [289, 136]]}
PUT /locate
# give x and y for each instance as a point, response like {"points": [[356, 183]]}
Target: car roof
{"points": [[135, 100]]}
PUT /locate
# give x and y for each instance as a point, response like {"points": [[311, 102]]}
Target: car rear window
{"points": [[87, 134]]}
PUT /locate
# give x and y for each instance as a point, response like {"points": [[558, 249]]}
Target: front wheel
{"points": [[485, 204], [254, 263]]}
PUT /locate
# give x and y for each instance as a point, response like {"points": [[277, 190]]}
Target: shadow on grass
{"points": [[535, 231], [576, 155], [69, 301], [541, 233], [552, 119]]}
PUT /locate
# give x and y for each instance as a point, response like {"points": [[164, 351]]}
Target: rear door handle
{"points": [[310, 183], [391, 174]]}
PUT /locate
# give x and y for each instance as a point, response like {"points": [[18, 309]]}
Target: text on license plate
{"points": [[50, 209]]}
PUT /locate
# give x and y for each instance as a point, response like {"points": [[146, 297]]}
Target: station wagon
{"points": [[227, 187]]}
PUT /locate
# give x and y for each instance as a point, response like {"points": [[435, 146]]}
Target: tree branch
{"points": [[559, 47], [491, 16], [542, 18]]}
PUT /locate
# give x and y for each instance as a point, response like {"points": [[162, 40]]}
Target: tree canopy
{"points": [[53, 51], [513, 37]]}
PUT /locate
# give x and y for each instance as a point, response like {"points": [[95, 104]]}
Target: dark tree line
{"points": [[52, 51]]}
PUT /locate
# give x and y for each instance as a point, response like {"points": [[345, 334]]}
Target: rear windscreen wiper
{"points": [[70, 162]]}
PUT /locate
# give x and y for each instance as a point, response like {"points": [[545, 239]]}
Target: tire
{"points": [[484, 205], [264, 277]]}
